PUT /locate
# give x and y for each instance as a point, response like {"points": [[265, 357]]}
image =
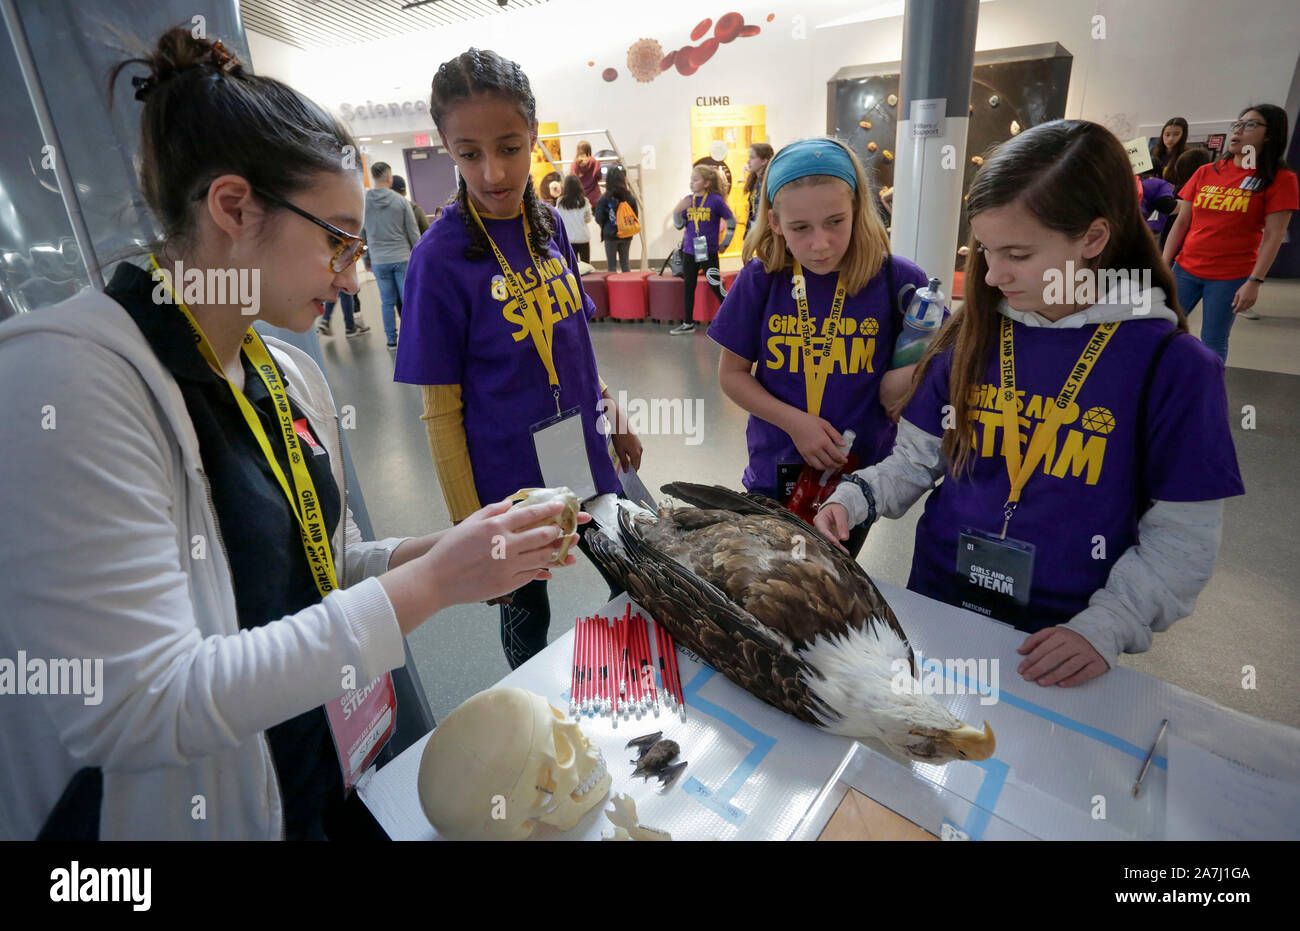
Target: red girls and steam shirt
{"points": [[1228, 212]]}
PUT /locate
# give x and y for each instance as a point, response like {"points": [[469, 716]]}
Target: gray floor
{"points": [[1247, 615]]}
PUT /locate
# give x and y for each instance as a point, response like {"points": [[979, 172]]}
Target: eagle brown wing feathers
{"points": [[704, 619], [819, 592]]}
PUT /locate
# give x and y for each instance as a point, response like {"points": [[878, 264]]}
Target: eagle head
{"points": [[864, 676]]}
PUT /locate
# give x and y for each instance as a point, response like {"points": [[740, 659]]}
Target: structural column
{"points": [[934, 114]]}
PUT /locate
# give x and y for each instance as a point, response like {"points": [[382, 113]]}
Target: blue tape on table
{"points": [[719, 800], [1047, 714]]}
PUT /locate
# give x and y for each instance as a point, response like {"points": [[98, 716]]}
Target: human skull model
{"points": [[566, 520], [504, 761]]}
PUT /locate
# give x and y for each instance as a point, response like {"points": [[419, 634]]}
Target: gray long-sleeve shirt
{"points": [[391, 232]]}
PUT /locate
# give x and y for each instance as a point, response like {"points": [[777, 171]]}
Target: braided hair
{"points": [[479, 71]]}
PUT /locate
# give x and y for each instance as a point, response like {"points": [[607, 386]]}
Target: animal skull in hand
{"points": [[504, 761], [566, 520]]}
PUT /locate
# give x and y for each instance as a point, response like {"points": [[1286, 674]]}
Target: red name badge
{"points": [[304, 433], [361, 722]]}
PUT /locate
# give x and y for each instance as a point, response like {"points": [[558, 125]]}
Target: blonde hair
{"points": [[712, 181], [868, 242]]}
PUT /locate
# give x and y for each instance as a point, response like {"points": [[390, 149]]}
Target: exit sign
{"points": [[421, 139]]}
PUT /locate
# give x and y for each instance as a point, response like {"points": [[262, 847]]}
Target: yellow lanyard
{"points": [[695, 214], [1018, 471], [815, 374], [539, 328], [305, 504]]}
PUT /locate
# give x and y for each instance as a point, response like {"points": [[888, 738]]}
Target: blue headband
{"points": [[809, 157]]}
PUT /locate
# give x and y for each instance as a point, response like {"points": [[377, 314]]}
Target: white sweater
{"points": [[105, 499]]}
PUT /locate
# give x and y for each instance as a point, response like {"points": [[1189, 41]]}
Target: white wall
{"points": [[1201, 59]]}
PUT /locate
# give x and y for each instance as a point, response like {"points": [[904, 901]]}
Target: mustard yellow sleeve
{"points": [[444, 419]]}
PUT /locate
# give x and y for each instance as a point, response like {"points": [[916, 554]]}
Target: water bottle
{"points": [[814, 486], [924, 315]]}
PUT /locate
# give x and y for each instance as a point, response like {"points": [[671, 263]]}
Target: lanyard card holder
{"points": [[561, 448], [700, 245], [787, 476], [994, 574], [361, 722]]}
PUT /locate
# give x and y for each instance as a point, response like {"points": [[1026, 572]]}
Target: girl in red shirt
{"points": [[1232, 216]]}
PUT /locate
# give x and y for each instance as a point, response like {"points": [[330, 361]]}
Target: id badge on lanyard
{"points": [[700, 243], [787, 475], [363, 720], [561, 447], [994, 572]]}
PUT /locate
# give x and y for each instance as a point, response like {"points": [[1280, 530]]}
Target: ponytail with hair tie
{"points": [[204, 115]]}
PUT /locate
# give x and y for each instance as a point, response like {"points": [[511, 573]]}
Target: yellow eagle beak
{"points": [[968, 743]]}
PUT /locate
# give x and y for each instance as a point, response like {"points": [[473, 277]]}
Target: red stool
{"points": [[627, 295], [706, 302], [594, 285], [665, 295]]}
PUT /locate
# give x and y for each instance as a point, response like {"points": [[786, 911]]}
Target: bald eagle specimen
{"points": [[795, 622]]}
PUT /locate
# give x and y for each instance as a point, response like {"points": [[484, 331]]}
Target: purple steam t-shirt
{"points": [[759, 321], [704, 217], [461, 326], [1081, 506]]}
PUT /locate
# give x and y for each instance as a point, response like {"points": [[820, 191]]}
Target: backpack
{"points": [[626, 221]]}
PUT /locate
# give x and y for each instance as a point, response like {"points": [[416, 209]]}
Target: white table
{"points": [[1065, 764]]}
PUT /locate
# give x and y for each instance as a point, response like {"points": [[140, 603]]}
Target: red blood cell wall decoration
{"points": [[704, 52], [701, 28], [668, 60], [729, 25], [750, 30], [685, 64], [609, 74]]}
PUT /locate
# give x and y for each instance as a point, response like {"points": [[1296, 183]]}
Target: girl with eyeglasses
{"points": [[1232, 218], [180, 491]]}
